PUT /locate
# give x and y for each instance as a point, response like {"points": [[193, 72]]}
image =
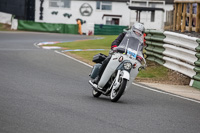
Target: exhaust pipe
{"points": [[93, 85]]}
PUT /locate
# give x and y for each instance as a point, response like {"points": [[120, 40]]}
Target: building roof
{"points": [[166, 1], [105, 0], [145, 8]]}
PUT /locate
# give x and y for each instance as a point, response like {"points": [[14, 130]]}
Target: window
{"points": [[112, 21], [152, 16], [60, 3], [104, 5], [152, 5]]}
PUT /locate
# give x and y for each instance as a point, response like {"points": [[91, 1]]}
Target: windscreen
{"points": [[130, 42]]}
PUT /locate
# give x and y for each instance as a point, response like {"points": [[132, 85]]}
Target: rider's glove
{"points": [[139, 58], [114, 49], [114, 46]]}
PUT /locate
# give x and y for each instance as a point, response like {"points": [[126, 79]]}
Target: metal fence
{"points": [[47, 27], [100, 29]]}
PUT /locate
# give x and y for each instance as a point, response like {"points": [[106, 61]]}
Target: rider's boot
{"points": [[96, 80]]}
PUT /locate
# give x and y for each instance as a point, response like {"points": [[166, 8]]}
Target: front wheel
{"points": [[117, 93], [96, 93]]}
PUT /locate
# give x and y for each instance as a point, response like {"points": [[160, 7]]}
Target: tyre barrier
{"points": [[175, 51]]}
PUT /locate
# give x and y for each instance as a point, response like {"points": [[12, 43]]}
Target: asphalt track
{"points": [[42, 91]]}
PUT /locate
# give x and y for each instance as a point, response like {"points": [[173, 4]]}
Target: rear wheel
{"points": [[96, 93], [118, 92]]}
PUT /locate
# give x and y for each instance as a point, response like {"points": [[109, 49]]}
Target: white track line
{"points": [[36, 45], [145, 87], [73, 58]]}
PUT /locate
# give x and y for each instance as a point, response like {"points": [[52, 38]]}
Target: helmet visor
{"points": [[137, 32]]}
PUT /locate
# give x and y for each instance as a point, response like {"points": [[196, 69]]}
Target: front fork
{"points": [[120, 74]]}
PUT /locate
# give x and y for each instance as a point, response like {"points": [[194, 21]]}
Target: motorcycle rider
{"points": [[137, 28]]}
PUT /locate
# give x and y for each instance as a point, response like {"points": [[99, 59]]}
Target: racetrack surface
{"points": [[42, 91]]}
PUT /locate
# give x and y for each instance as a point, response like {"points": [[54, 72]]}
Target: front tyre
{"points": [[96, 93], [117, 93]]}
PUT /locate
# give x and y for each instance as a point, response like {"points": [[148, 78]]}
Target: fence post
{"points": [[184, 18], [198, 18], [175, 16], [190, 17], [179, 16]]}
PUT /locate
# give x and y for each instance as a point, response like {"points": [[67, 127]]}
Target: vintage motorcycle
{"points": [[125, 63]]}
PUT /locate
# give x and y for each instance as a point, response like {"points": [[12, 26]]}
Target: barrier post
{"points": [[184, 18], [179, 16], [190, 17], [198, 18], [175, 16]]}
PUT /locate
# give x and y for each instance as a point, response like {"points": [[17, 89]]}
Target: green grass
{"points": [[88, 55], [153, 71], [89, 44]]}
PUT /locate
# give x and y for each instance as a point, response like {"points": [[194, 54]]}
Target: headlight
{"points": [[127, 66]]}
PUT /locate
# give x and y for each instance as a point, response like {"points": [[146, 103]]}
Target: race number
{"points": [[132, 53]]}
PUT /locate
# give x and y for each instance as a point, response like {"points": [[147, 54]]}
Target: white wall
{"points": [[5, 18], [118, 8]]}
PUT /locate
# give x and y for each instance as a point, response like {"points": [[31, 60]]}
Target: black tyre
{"points": [[96, 93], [116, 94]]}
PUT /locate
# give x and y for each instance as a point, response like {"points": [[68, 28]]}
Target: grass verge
{"points": [[104, 43]]}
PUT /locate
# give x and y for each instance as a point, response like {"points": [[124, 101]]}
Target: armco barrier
{"points": [[175, 51], [181, 40], [180, 53], [47, 27], [179, 66]]}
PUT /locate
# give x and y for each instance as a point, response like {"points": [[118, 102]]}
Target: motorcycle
{"points": [[125, 63]]}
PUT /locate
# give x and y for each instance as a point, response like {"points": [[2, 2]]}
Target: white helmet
{"points": [[138, 27]]}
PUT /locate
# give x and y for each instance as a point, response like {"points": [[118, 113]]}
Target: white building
{"points": [[115, 12], [109, 12], [152, 12], [91, 11]]}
